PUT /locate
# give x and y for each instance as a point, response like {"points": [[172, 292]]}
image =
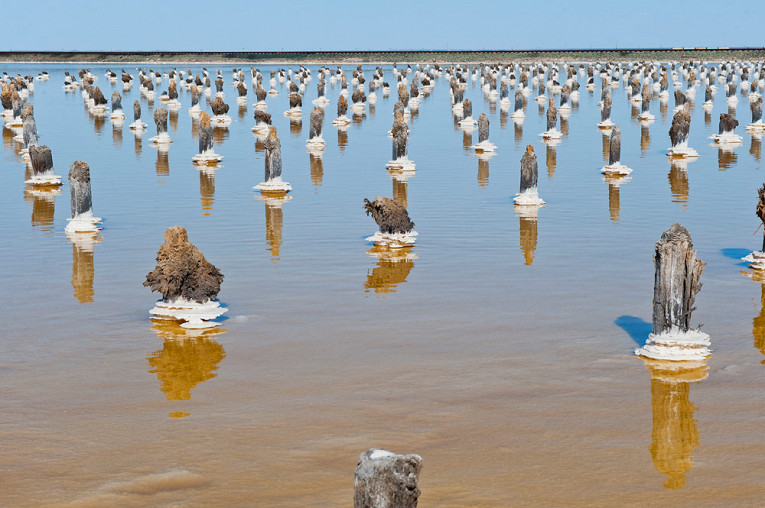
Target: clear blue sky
{"points": [[301, 25]]}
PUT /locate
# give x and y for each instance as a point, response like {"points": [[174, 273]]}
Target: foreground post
{"points": [[82, 205], [528, 194], [676, 283], [385, 480], [187, 281]]}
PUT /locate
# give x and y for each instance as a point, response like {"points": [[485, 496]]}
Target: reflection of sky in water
{"points": [[501, 340]]}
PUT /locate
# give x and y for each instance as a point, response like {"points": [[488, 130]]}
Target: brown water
{"points": [[500, 349]]}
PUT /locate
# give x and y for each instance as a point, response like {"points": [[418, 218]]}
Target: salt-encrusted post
{"points": [[80, 195], [385, 480], [676, 281], [528, 194]]}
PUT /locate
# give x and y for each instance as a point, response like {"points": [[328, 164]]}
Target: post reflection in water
{"points": [[8, 136], [162, 165], [674, 435], [274, 222], [195, 126], [663, 108], [707, 117], [173, 117], [393, 267], [483, 171], [316, 164], [342, 138], [138, 145], [43, 206], [260, 146], [207, 188], [551, 157], [678, 181], [503, 116], [755, 148], [518, 131], [726, 157], [467, 139], [116, 135], [527, 217], [606, 143], [83, 270], [564, 126], [188, 357], [296, 126], [242, 111], [645, 137], [220, 134], [400, 180], [98, 123], [614, 205], [758, 323]]}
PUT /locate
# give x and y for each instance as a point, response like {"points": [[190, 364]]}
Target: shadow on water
{"points": [[637, 328], [737, 254]]}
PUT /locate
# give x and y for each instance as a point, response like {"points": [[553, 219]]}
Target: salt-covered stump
{"points": [[725, 134], [484, 145], [160, 120], [400, 135], [528, 195], [614, 166], [273, 183], [757, 258], [552, 120], [676, 283], [396, 228], [206, 155], [383, 479], [220, 109], [138, 126], [756, 108], [117, 115], [188, 282], [41, 160], [262, 123], [315, 140], [678, 135], [82, 220], [296, 102]]}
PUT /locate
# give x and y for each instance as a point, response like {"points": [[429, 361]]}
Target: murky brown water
{"points": [[499, 349]]}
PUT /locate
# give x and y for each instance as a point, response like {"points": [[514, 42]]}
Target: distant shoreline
{"points": [[348, 57]]}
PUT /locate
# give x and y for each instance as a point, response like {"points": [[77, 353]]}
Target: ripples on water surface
{"points": [[501, 351]]}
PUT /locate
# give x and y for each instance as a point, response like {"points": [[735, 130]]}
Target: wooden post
{"points": [[160, 120], [317, 117], [273, 155], [529, 170], [79, 188], [676, 281], [483, 128], [385, 480], [614, 146], [42, 159]]}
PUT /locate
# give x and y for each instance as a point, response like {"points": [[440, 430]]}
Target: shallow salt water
{"points": [[500, 348]]}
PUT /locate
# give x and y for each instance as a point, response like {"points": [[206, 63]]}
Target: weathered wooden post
{"points": [[273, 166], [614, 166], [385, 480], [676, 283], [315, 141], [82, 220], [187, 281], [400, 135], [678, 134], [528, 195], [757, 258], [160, 120], [41, 160]]}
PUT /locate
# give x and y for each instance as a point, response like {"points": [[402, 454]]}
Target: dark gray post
{"points": [[160, 119], [42, 159], [79, 188], [317, 117]]}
